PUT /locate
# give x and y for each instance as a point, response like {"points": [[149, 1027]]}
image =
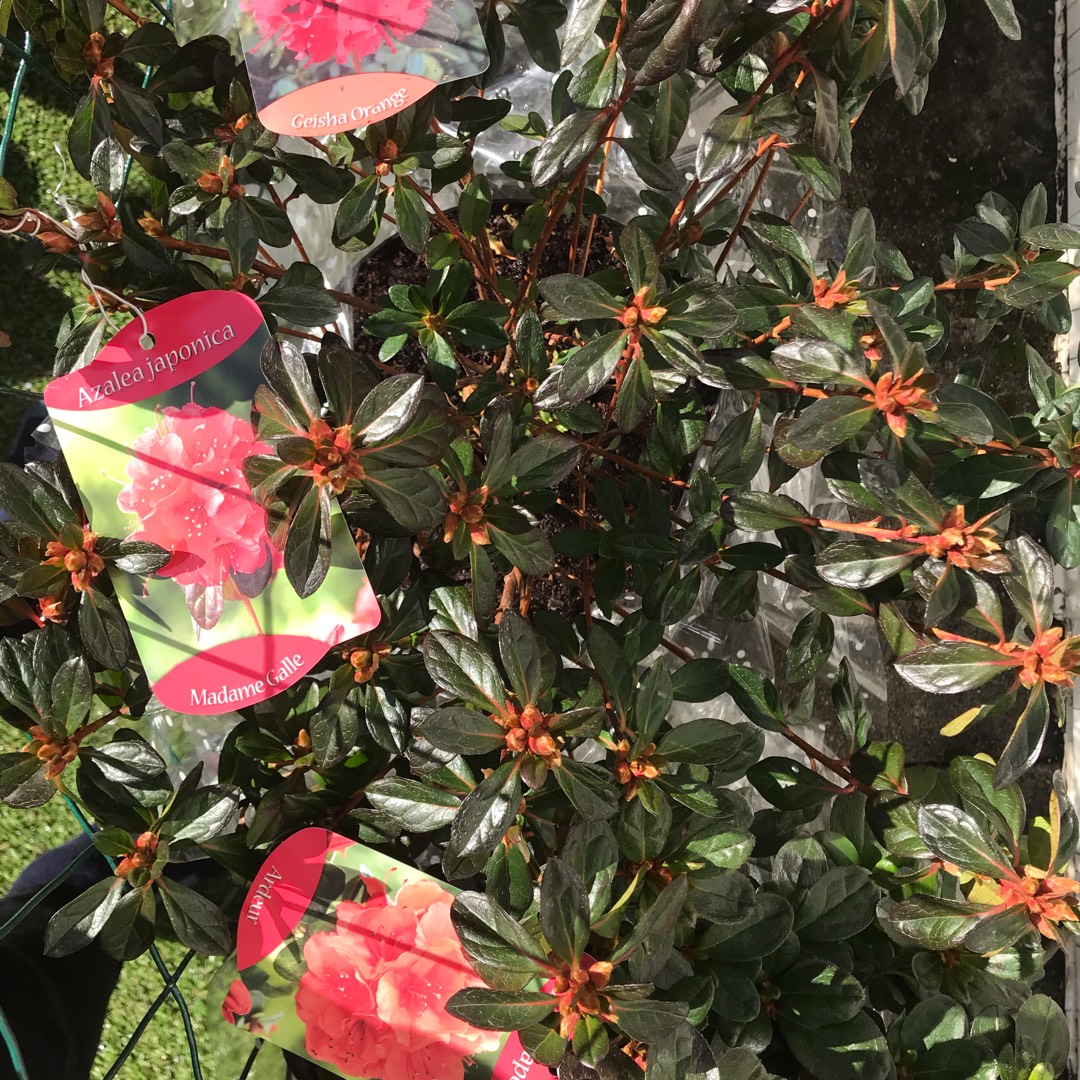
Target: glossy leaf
{"points": [[958, 838]]}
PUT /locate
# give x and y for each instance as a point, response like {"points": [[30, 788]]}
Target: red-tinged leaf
{"points": [[936, 923], [575, 297], [266, 474], [584, 372], [859, 563], [998, 931], [956, 837], [1036, 283], [903, 492], [461, 667], [951, 667], [1031, 585], [273, 419]]}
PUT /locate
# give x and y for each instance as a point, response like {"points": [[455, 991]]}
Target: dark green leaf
{"points": [[504, 954], [580, 27], [415, 806], [129, 931], [700, 679], [756, 933], [576, 297], [486, 813], [830, 422], [589, 788], [299, 296], [412, 219], [1043, 1032], [500, 1010], [701, 742], [308, 547], [810, 646], [461, 731], [852, 1050], [202, 814], [808, 360], [564, 911], [568, 146], [79, 921], [838, 905], [198, 923], [475, 206], [1025, 742], [90, 126], [760, 511]]}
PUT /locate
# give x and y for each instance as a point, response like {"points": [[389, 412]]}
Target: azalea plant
{"points": [[558, 439]]}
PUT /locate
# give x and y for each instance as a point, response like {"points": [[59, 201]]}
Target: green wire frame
{"points": [[170, 979]]}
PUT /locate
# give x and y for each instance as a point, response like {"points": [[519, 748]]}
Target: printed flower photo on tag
{"points": [[156, 434], [348, 958], [319, 67]]}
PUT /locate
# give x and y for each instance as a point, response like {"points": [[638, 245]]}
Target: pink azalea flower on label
{"points": [[318, 31], [188, 490], [237, 1002], [373, 994]]}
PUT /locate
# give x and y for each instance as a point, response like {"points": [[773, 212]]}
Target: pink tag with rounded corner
{"points": [[155, 434], [319, 67], [347, 957]]}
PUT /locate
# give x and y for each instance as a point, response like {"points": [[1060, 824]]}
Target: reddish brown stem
{"points": [[748, 206], [119, 5], [292, 228]]}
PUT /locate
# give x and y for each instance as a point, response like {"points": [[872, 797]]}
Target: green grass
{"points": [[33, 307], [162, 1052]]}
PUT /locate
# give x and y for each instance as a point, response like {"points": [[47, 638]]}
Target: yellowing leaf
{"points": [[960, 723]]}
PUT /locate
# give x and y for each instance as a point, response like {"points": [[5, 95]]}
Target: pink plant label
{"points": [[348, 958], [156, 433], [319, 67]]}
